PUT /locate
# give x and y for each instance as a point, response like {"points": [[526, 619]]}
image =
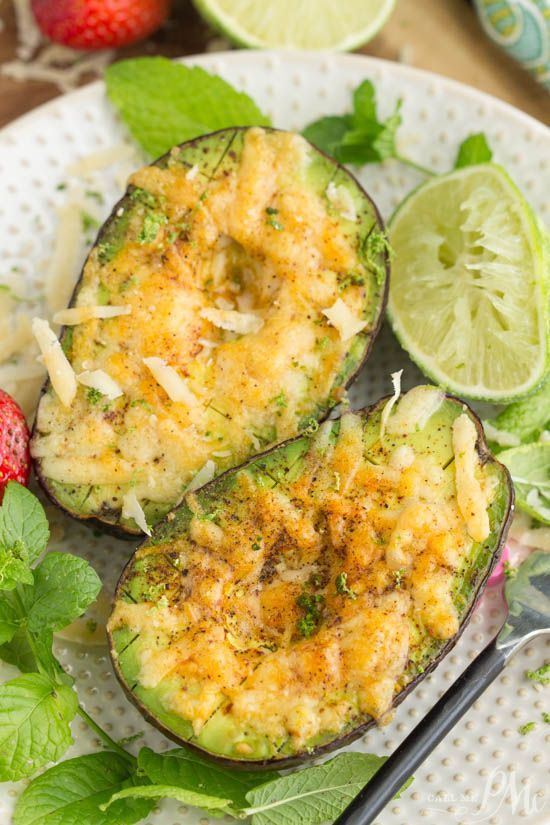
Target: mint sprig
{"points": [[34, 724], [71, 794], [361, 136], [165, 103]]}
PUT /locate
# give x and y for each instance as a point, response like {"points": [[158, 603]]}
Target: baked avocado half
{"points": [[290, 603], [247, 275]]}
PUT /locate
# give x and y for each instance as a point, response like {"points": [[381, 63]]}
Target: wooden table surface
{"points": [[441, 35]]}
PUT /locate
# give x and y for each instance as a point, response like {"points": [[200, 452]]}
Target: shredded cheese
{"points": [[233, 321], [415, 410], [78, 315], [132, 509], [341, 198], [60, 371], [342, 318], [471, 498], [204, 475], [100, 381], [396, 381], [172, 383]]}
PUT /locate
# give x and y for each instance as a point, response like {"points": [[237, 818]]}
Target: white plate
{"points": [[484, 771]]}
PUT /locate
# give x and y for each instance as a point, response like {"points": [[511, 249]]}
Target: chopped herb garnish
{"points": [[140, 402], [280, 400], [152, 222], [257, 544], [546, 717], [342, 586], [315, 580], [88, 221], [91, 626], [311, 427], [398, 574], [312, 605], [372, 246], [351, 279], [272, 220], [95, 195], [541, 675], [526, 728], [323, 342], [509, 570], [93, 395], [61, 186], [145, 197]]}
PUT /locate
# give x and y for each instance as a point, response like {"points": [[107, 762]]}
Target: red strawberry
{"points": [[15, 459], [99, 24]]}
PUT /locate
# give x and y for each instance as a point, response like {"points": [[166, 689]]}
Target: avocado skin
{"points": [[109, 524], [480, 578]]}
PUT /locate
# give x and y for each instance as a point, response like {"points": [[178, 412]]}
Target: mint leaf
{"points": [[474, 149], [14, 566], [313, 796], [34, 724], [186, 797], [526, 419], [164, 103], [64, 586], [23, 523], [359, 137], [191, 771], [71, 794], [9, 619], [327, 133], [19, 653]]}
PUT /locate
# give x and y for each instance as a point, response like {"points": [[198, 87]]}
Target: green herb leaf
{"points": [[526, 728], [14, 566], [152, 223], [186, 797], [165, 103], [190, 771], [360, 137], [71, 794], [474, 149], [38, 657], [314, 795], [34, 724], [9, 619], [526, 419], [23, 521], [342, 586], [541, 675], [64, 586], [327, 133]]}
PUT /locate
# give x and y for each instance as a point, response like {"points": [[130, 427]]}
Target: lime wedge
{"points": [[469, 284], [529, 467], [297, 24]]}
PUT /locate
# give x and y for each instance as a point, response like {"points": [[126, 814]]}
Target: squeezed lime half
{"points": [[469, 284]]}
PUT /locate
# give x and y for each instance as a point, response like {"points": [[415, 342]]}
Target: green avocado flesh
{"points": [[252, 270], [292, 601]]}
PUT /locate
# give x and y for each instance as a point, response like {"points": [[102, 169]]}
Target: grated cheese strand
{"points": [[132, 509], [78, 315], [60, 371], [172, 383], [396, 381]]}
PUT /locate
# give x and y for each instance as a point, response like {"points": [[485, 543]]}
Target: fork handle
{"points": [[424, 738]]}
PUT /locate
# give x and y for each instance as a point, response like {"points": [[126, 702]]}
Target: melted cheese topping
{"points": [[472, 496], [184, 256], [372, 549]]}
